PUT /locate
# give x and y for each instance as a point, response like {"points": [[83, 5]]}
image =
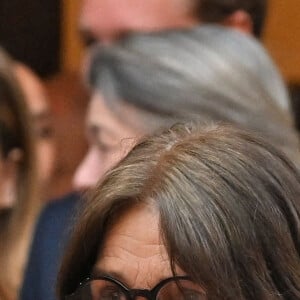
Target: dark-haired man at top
{"points": [[106, 21]]}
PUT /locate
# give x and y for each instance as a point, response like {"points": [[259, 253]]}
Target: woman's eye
{"points": [[192, 295], [107, 148], [110, 294], [44, 132], [103, 148]]}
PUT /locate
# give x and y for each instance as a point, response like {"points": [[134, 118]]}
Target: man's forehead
{"points": [[107, 20], [126, 8]]}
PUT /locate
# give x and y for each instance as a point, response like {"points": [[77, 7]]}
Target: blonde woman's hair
{"points": [[16, 222]]}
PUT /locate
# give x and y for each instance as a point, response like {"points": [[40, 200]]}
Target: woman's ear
{"points": [[239, 20], [9, 169]]}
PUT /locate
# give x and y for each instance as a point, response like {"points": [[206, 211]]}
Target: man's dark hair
{"points": [[217, 10], [294, 89]]}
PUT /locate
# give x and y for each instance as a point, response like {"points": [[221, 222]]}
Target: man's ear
{"points": [[239, 20]]}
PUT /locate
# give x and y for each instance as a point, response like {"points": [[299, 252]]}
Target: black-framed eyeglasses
{"points": [[108, 288]]}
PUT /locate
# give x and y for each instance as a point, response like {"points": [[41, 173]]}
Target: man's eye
{"points": [[87, 38]]}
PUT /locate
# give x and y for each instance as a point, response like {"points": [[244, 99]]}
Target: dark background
{"points": [[30, 32]]}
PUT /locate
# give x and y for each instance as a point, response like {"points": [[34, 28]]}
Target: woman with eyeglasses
{"points": [[191, 213]]}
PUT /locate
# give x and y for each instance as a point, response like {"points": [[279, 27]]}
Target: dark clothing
{"points": [[48, 243]]}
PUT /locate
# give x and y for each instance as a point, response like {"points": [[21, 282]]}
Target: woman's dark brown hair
{"points": [[229, 212]]}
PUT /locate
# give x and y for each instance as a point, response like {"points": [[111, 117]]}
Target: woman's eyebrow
{"points": [[116, 275]]}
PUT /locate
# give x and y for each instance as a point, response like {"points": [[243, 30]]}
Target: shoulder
{"points": [[61, 206], [50, 238], [53, 227], [57, 214]]}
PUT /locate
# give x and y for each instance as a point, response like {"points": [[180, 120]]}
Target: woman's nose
{"points": [[89, 171]]}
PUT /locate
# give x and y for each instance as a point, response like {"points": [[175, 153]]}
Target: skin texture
{"points": [[41, 120], [109, 140], [135, 254]]}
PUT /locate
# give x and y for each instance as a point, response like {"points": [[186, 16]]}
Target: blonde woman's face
{"points": [[41, 120], [109, 141]]}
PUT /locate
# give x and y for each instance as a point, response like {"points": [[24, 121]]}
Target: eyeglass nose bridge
{"points": [[146, 294]]}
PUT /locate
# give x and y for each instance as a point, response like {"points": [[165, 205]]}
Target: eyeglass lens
{"points": [[180, 290]]}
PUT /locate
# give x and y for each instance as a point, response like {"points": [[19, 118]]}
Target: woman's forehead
{"points": [[133, 250], [135, 220]]}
